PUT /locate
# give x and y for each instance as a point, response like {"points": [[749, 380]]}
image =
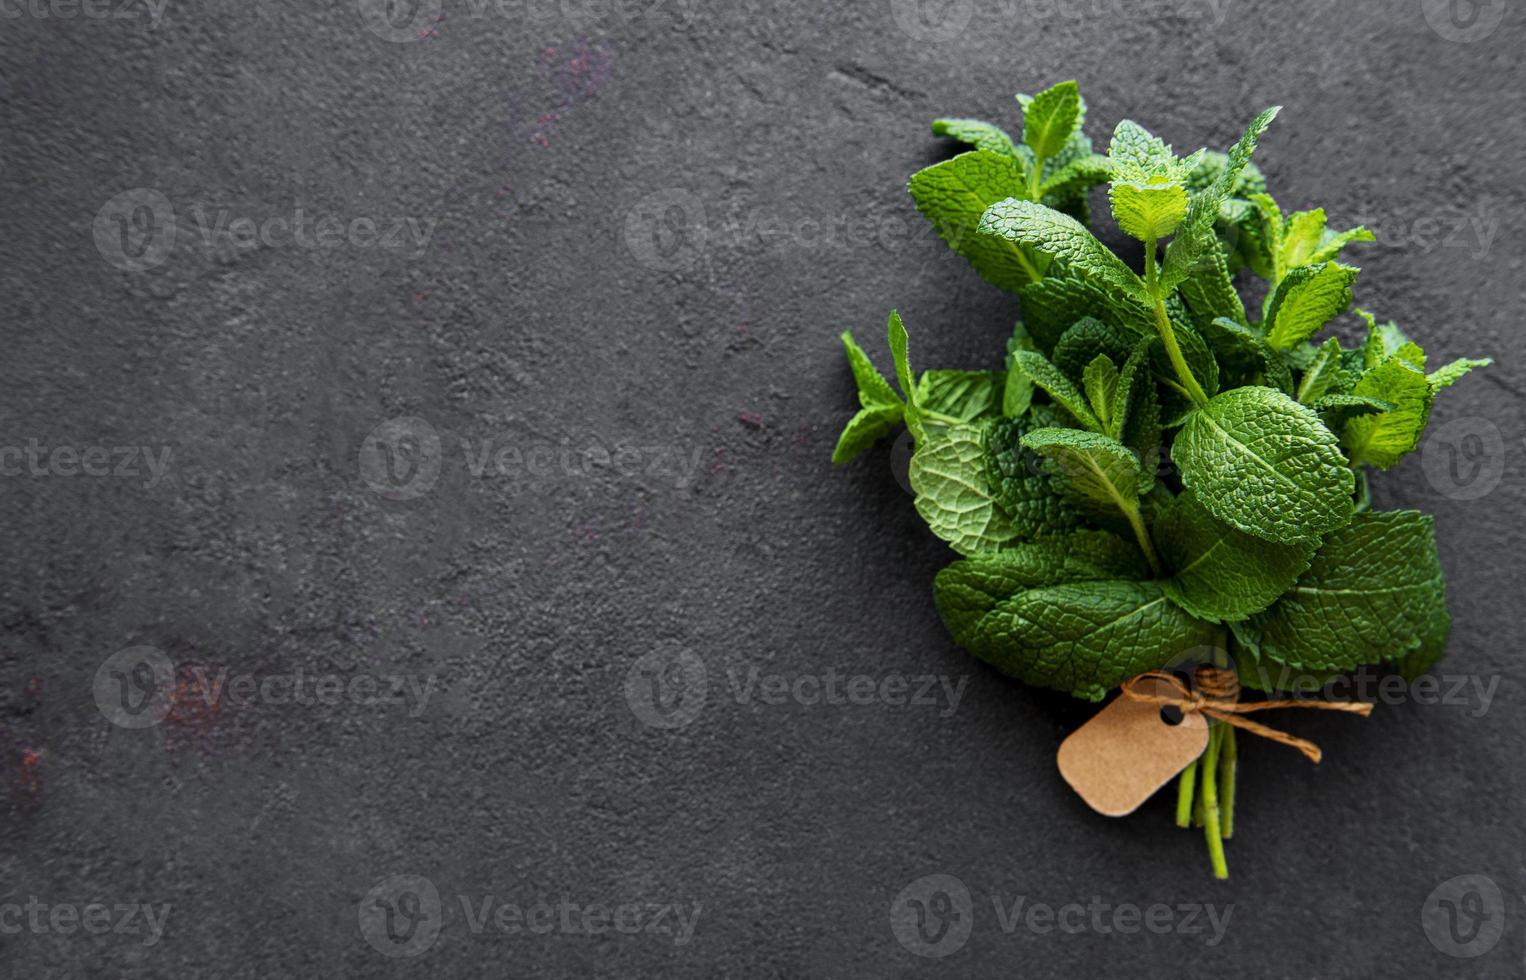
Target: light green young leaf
{"points": [[1325, 375], [1266, 465], [1196, 233], [1382, 440], [1332, 244], [1074, 177], [1384, 340], [1373, 593], [954, 496], [1017, 392], [1148, 212], [1301, 235], [1084, 638], [1220, 573], [1305, 300], [1065, 239], [1100, 379], [1136, 149], [962, 395], [955, 193], [1050, 118], [1449, 374], [873, 390], [1059, 387], [898, 343], [1095, 473], [979, 134], [865, 429]]}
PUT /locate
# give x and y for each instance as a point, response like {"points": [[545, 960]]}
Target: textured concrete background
{"points": [[564, 444]]}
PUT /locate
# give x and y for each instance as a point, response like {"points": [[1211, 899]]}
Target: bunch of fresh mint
{"points": [[1158, 468]]}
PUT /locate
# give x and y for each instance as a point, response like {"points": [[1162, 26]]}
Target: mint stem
{"points": [[1211, 826], [1227, 761], [1185, 785], [1168, 335]]}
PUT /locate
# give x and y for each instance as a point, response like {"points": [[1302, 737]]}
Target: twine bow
{"points": [[1216, 696]]}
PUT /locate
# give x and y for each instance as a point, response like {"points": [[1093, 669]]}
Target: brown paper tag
{"points": [[1126, 752]]}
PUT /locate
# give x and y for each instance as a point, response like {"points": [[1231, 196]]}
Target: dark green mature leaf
{"points": [[1220, 573], [1338, 409], [954, 496], [1084, 638], [1088, 337], [1196, 233], [1050, 118], [1063, 238], [1074, 178], [1209, 293], [967, 590], [1373, 593], [979, 134], [1305, 300], [1096, 474], [1246, 357], [955, 193], [1059, 387], [1023, 492], [1265, 464], [1017, 392], [1100, 381], [1053, 306]]}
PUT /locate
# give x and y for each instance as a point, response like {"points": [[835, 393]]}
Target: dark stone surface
{"points": [[643, 226]]}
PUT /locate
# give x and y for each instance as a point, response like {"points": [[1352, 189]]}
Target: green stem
{"points": [[1184, 791], [1211, 826], [1168, 335], [1036, 178], [1227, 754], [938, 417]]}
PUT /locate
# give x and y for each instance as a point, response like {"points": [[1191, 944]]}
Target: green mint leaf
{"points": [[1336, 410], [1050, 118], [1382, 440], [961, 395], [1134, 418], [865, 429], [1196, 233], [1246, 357], [1135, 149], [1017, 392], [1325, 375], [967, 590], [1051, 307], [954, 496], [1074, 178], [1059, 387], [1093, 472], [898, 343], [1100, 380], [1209, 292], [1148, 212], [1301, 234], [1450, 374], [1024, 223], [873, 390], [1305, 300], [1384, 340], [1023, 492], [1265, 464], [1084, 638], [1373, 593], [979, 134], [1220, 573], [1332, 244], [1088, 337], [955, 194]]}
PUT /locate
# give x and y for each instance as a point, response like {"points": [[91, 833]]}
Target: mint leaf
{"points": [[954, 496], [1382, 440], [1209, 293], [1196, 233], [1084, 638], [961, 395], [873, 390], [1051, 307], [955, 194], [1096, 474], [1305, 300], [898, 342], [865, 429], [967, 590], [1100, 380], [1045, 230], [979, 134], [1265, 464], [1021, 489], [1059, 387], [1050, 118], [1088, 337], [1017, 392], [1074, 178], [1450, 374], [1220, 573], [1373, 593], [1326, 375], [1338, 409]]}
